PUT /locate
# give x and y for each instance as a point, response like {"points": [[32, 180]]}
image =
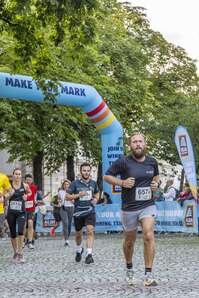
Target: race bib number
{"points": [[29, 204], [87, 197], [143, 193], [16, 205]]}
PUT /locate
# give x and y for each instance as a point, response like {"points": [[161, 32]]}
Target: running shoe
{"points": [[78, 256], [15, 257], [66, 243], [149, 280], [89, 259], [21, 259], [130, 277], [30, 245], [52, 232]]}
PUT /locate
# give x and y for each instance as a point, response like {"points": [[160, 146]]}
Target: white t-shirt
{"points": [[170, 194], [64, 202]]}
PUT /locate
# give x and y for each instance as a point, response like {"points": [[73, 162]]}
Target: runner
{"points": [[139, 179], [16, 214], [66, 211], [30, 210], [85, 193]]}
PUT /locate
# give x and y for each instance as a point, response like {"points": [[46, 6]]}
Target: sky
{"points": [[177, 20]]}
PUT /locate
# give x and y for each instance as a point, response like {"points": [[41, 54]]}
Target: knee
{"points": [[148, 236], [78, 234], [13, 235], [90, 232], [128, 243], [30, 224]]}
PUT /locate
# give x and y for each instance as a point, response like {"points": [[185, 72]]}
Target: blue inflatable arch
{"points": [[70, 94]]}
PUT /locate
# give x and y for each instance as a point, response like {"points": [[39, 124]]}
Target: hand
{"points": [[154, 186], [128, 183], [82, 194], [94, 201], [25, 197], [1, 198]]}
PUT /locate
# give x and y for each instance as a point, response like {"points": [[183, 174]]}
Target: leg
{"points": [[79, 223], [30, 231], [90, 237], [70, 217], [128, 245], [64, 218], [78, 237], [147, 224], [11, 219], [21, 223], [90, 224]]}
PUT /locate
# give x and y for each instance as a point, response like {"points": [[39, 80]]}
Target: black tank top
{"points": [[16, 202]]}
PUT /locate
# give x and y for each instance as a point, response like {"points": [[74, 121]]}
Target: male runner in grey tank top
{"points": [[139, 178]]}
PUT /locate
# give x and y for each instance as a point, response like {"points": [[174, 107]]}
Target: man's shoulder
{"points": [[150, 158]]}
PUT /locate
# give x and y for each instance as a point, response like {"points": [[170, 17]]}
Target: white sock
{"points": [[78, 248], [89, 251]]}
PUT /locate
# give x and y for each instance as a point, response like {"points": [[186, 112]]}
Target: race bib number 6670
{"points": [[143, 193]]}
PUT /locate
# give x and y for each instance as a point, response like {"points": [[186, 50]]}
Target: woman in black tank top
{"points": [[16, 214]]}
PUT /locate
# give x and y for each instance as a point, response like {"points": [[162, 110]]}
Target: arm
{"points": [[155, 183], [95, 198], [27, 190], [126, 183], [71, 197]]}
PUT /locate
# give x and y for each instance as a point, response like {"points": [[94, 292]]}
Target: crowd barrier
{"points": [[171, 217]]}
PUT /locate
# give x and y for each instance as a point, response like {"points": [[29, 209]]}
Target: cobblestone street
{"points": [[50, 270]]}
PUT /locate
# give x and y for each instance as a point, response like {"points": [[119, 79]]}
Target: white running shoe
{"points": [[21, 259], [149, 280], [130, 277], [30, 246]]}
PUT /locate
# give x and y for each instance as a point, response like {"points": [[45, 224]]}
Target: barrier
{"points": [[171, 217]]}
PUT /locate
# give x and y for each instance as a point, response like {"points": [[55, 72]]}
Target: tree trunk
{"points": [[99, 177], [70, 168], [38, 170]]}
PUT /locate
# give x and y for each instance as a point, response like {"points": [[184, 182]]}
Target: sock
{"points": [[148, 270], [129, 265], [89, 251], [79, 248]]}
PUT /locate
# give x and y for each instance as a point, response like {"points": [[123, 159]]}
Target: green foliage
{"points": [[147, 82]]}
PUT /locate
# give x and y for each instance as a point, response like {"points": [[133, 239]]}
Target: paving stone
{"points": [[50, 270]]}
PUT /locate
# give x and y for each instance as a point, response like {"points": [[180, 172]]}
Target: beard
{"points": [[138, 153], [85, 177]]}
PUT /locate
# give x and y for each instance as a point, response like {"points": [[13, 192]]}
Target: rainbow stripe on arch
{"points": [[101, 116]]}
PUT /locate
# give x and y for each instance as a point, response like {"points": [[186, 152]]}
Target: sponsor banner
{"points": [[171, 217], [108, 218], [185, 151], [47, 221]]}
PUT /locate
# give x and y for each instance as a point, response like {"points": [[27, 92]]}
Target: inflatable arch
{"points": [[84, 96]]}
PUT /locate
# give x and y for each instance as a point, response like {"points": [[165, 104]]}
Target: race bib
{"points": [[87, 197], [16, 205], [29, 204], [143, 193]]}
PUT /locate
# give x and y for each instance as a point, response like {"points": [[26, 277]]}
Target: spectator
{"points": [[185, 194], [170, 192]]}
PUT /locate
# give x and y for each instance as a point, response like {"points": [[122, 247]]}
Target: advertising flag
{"points": [[185, 151]]}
